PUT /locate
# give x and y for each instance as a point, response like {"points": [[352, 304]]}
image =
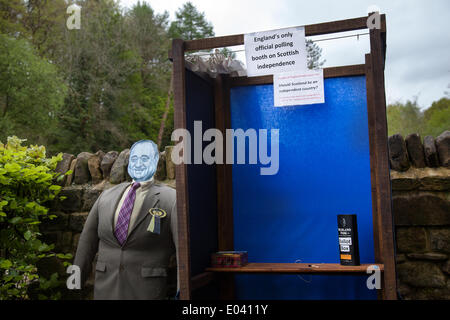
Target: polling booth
{"points": [[332, 160]]}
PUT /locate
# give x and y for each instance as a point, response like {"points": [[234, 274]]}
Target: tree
{"points": [[313, 55], [404, 118], [437, 117], [146, 33], [45, 22], [39, 21], [11, 14], [95, 65], [408, 118], [110, 97], [190, 24], [228, 53], [31, 91]]}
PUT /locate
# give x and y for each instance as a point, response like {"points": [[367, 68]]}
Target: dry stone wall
{"points": [[420, 178]]}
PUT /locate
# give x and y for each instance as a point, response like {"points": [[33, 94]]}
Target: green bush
{"points": [[26, 187]]}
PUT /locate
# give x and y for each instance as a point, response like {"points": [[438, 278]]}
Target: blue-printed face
{"points": [[144, 158]]}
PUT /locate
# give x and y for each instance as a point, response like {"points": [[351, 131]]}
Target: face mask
{"points": [[143, 160]]}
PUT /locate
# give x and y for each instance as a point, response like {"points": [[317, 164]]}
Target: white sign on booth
{"points": [[298, 88], [275, 51]]}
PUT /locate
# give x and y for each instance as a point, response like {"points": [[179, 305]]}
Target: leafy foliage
{"points": [[408, 118], [26, 177], [29, 85]]}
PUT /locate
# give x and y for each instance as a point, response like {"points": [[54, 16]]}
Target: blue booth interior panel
{"points": [[324, 170]]}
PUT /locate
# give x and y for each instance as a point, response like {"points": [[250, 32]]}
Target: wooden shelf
{"points": [[319, 268]]}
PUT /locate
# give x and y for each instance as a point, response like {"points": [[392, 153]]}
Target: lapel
{"points": [[150, 201]]}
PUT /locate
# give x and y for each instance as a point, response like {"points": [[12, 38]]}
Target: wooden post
{"points": [[184, 264], [382, 182]]}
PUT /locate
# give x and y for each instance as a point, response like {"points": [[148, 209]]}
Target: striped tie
{"points": [[123, 220]]}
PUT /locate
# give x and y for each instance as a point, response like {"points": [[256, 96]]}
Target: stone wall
{"points": [[420, 178], [421, 206]]}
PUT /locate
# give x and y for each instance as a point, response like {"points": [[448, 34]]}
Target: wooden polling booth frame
{"points": [[373, 70]]}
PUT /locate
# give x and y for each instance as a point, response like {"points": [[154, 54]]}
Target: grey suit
{"points": [[138, 269]]}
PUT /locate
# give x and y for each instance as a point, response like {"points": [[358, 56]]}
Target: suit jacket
{"points": [[138, 269]]}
